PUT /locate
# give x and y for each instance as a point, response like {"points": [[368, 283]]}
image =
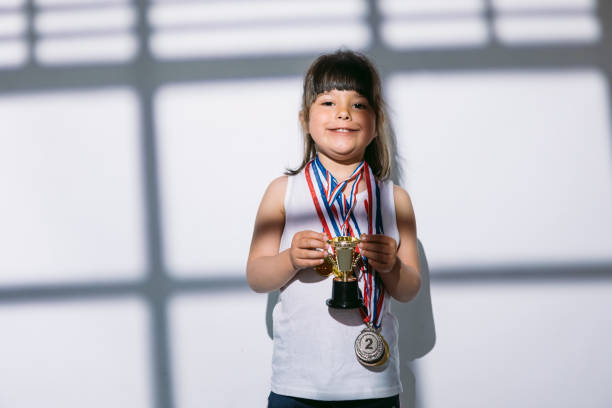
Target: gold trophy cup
{"points": [[345, 291]]}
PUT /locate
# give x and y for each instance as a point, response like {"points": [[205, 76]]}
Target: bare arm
{"points": [[267, 269], [398, 267]]}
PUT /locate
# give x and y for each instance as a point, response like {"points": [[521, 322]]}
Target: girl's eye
{"points": [[327, 103], [360, 106]]}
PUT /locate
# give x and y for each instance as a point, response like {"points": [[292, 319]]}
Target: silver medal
{"points": [[371, 348]]}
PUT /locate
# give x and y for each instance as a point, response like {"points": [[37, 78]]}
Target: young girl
{"points": [[340, 189]]}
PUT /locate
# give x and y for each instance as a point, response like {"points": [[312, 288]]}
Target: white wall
{"points": [[506, 169]]}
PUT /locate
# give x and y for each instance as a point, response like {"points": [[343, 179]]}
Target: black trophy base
{"points": [[345, 295]]}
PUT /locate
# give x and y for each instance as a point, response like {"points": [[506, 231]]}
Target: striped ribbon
{"points": [[335, 212], [340, 205]]}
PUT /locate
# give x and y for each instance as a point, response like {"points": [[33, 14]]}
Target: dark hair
{"points": [[346, 70]]}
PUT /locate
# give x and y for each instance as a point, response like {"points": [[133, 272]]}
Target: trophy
{"points": [[345, 291]]}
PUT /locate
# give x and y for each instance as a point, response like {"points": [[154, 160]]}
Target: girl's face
{"points": [[342, 125]]}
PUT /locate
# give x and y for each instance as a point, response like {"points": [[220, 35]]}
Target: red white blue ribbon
{"points": [[338, 205], [335, 212], [371, 283]]}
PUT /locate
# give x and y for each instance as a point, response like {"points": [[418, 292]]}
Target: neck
{"points": [[341, 170]]}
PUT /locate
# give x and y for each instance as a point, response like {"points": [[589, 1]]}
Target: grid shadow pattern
{"points": [[145, 75]]}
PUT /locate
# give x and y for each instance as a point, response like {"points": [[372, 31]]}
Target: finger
{"points": [[311, 243], [378, 248], [381, 267], [377, 257], [307, 263], [379, 264], [313, 234], [309, 254], [316, 235], [380, 238]]}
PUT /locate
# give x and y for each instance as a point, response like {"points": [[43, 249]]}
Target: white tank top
{"points": [[314, 355]]}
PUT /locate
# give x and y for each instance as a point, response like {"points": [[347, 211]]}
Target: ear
{"points": [[303, 121]]}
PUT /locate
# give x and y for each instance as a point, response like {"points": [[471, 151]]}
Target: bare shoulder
{"points": [[274, 196], [270, 220], [278, 185], [403, 204], [401, 196], [400, 192]]}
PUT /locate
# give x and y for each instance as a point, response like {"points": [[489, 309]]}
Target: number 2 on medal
{"points": [[369, 346]]}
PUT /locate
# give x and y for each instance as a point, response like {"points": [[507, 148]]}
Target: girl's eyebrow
{"points": [[361, 99], [328, 94]]}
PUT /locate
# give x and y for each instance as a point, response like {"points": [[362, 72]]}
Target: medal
{"points": [[326, 268], [371, 348], [335, 212]]}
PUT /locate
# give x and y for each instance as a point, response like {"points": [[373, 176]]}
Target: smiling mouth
{"points": [[343, 130]]}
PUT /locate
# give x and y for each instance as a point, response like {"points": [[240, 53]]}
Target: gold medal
{"points": [[327, 267], [358, 261]]}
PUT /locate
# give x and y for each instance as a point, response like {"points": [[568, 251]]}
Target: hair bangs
{"points": [[344, 74]]}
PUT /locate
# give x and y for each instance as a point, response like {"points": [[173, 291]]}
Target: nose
{"points": [[343, 113]]}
